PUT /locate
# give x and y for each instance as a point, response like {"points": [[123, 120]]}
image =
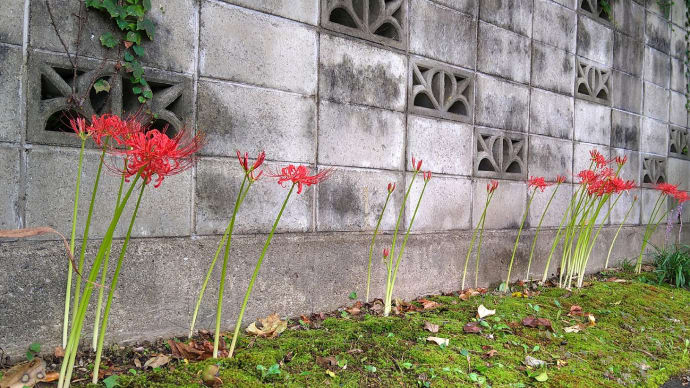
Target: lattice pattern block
{"points": [[500, 154], [440, 91], [594, 9], [653, 171], [678, 142], [593, 83], [381, 21]]}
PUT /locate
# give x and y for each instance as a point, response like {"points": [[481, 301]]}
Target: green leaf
{"points": [[108, 40], [138, 50], [147, 5], [274, 370], [143, 82], [35, 347], [133, 37], [30, 356], [142, 100], [136, 90], [541, 377], [370, 368], [95, 4], [148, 94], [122, 24], [101, 86], [113, 9], [128, 56], [111, 381], [148, 26], [406, 365], [135, 10], [353, 295]]}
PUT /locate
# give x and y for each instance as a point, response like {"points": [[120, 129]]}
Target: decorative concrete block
{"points": [[627, 92], [594, 41], [657, 32], [503, 53], [594, 10], [469, 7], [253, 119], [625, 130], [554, 25], [509, 197], [352, 200], [268, 59], [304, 11], [629, 18], [678, 78], [353, 72], [445, 205], [653, 137], [12, 22], [10, 93], [679, 114], [593, 82], [445, 147], [592, 122], [678, 142], [432, 27], [501, 104], [652, 170], [10, 217], [551, 114], [384, 23], [499, 154], [657, 67], [559, 205], [656, 101], [581, 156], [217, 183], [678, 43], [628, 54], [358, 136], [549, 157], [572, 4], [439, 90], [552, 69], [513, 15]]}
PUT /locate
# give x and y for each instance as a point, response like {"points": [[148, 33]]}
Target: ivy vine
{"points": [[130, 17]]}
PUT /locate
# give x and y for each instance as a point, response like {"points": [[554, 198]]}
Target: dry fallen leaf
{"points": [[304, 319], [327, 362], [196, 351], [592, 320], [472, 327], [59, 352], [269, 327], [561, 363], [575, 310], [470, 292], [483, 312], [490, 353], [534, 322], [157, 361], [534, 362], [438, 340], [431, 327], [428, 304], [137, 363], [355, 309], [210, 376], [573, 329]]}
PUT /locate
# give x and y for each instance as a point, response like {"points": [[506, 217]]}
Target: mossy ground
{"points": [[639, 340]]}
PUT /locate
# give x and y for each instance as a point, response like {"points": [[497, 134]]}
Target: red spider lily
{"points": [[416, 165], [587, 176], [245, 164], [386, 252], [681, 196], [300, 176], [618, 185], [620, 161], [79, 126], [491, 186], [667, 188], [560, 178], [598, 159], [154, 153], [427, 176], [537, 183], [391, 187], [111, 126]]}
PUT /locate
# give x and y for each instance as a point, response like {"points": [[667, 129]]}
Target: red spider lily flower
{"points": [[386, 252], [416, 165], [391, 187], [618, 185], [681, 196], [79, 126], [252, 177], [111, 126], [587, 176], [537, 183], [259, 160], [667, 188], [620, 161], [598, 159], [300, 176], [427, 176], [491, 186], [560, 178], [243, 161], [154, 153]]}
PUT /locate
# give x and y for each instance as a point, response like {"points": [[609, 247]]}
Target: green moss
{"points": [[638, 340]]}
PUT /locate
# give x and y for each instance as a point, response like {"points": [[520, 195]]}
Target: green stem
{"points": [[469, 250], [111, 291], [647, 234], [588, 249], [522, 224], [536, 234], [371, 246], [556, 239], [68, 292], [256, 272], [606, 265], [479, 245]]}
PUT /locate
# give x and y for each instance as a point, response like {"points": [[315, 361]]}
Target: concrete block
{"points": [[358, 136], [554, 25], [622, 207], [628, 54], [443, 34], [51, 173], [679, 114], [217, 183], [678, 43], [582, 158], [678, 78], [384, 23], [513, 15], [445, 205], [469, 7], [254, 119], [654, 137], [501, 104], [657, 32], [549, 157], [631, 169], [439, 90], [551, 114], [507, 206], [500, 154], [593, 82], [678, 142], [352, 200], [445, 147], [10, 93], [503, 53], [594, 41], [678, 13], [552, 69], [572, 4], [592, 122], [648, 199], [353, 72], [627, 92], [625, 130], [629, 18], [304, 11], [11, 22], [269, 60], [656, 101], [10, 217], [652, 170], [678, 171], [657, 67], [559, 205]]}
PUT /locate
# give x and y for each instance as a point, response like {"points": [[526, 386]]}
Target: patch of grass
{"points": [[639, 340], [673, 266]]}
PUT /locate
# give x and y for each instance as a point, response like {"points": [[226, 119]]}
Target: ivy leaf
{"points": [[122, 23], [136, 90], [541, 377], [108, 40], [35, 347], [134, 37], [101, 86], [142, 100], [147, 5], [96, 4], [148, 26], [148, 94], [128, 56], [138, 50], [143, 82], [111, 382], [113, 9], [135, 10]]}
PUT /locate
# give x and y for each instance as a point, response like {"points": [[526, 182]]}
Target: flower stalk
{"points": [[391, 188]]}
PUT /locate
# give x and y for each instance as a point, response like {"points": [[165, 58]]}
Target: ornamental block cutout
{"points": [[679, 142], [594, 9], [381, 21], [50, 100], [593, 83], [653, 171], [500, 154], [440, 91]]}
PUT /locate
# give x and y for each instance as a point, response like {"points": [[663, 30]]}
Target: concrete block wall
{"points": [[479, 90]]}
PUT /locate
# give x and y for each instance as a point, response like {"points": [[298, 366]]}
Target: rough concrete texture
{"points": [[559, 205], [554, 25], [657, 67], [594, 41], [513, 15], [509, 197], [552, 69], [442, 207], [9, 193], [446, 145], [628, 17], [677, 171], [592, 122], [678, 78], [503, 53], [550, 157], [627, 92], [551, 114], [501, 104], [678, 44], [628, 54], [306, 11], [679, 113], [656, 100], [12, 15], [10, 76], [657, 32], [581, 157], [625, 130], [653, 137]]}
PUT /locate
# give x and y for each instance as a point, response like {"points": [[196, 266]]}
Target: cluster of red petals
{"points": [[111, 126], [391, 187], [386, 252], [537, 183], [244, 162], [560, 178], [598, 159], [416, 165], [427, 176], [672, 190], [620, 161], [681, 196], [491, 186], [300, 176], [79, 126], [154, 153]]}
